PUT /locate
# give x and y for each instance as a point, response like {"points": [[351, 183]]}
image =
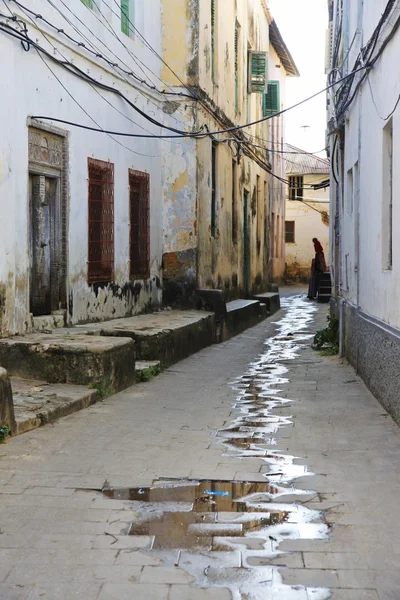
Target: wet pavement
{"points": [[237, 527], [254, 470]]}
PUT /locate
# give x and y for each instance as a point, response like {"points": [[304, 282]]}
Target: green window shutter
{"points": [[88, 3], [125, 17], [258, 71], [271, 100], [236, 66]]}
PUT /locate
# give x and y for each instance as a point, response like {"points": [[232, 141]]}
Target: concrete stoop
{"points": [[166, 336], [241, 314], [7, 413], [71, 358], [271, 300], [57, 373]]}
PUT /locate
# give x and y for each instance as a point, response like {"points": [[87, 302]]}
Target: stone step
{"points": [[271, 299], [76, 358], [38, 402], [324, 298], [165, 336], [326, 289], [47, 323], [147, 369], [241, 314]]}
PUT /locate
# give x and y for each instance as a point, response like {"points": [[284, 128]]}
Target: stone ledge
{"points": [[271, 300], [76, 359], [166, 336], [242, 314], [7, 416]]}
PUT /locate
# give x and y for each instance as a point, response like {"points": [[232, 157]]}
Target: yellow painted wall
{"points": [[218, 260]]}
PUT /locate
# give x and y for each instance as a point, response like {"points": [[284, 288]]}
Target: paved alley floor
{"points": [[254, 470]]}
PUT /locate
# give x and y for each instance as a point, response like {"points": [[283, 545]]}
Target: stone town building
{"points": [[364, 134], [80, 211], [307, 210], [221, 217]]}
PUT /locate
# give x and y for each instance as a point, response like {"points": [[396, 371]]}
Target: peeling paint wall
{"points": [[41, 93], [216, 260]]}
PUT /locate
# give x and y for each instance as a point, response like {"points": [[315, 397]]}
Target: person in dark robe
{"points": [[318, 266], [312, 286]]}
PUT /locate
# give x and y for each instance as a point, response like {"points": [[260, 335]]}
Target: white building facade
{"points": [[80, 210], [364, 134]]}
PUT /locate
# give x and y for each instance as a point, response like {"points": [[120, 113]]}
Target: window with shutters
{"points": [[234, 202], [296, 188], [213, 188], [139, 237], [258, 71], [271, 99], [88, 3], [101, 221], [289, 232], [213, 40], [236, 65], [126, 16]]}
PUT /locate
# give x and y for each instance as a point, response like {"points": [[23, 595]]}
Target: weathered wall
{"points": [[40, 93], [7, 416], [193, 254], [308, 224], [373, 348]]}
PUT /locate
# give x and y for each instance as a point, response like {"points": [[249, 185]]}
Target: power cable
{"points": [[97, 92], [71, 68]]}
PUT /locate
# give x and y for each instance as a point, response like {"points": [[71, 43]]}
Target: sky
{"points": [[303, 25]]}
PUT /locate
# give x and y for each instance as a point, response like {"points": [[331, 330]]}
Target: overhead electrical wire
{"points": [[99, 55], [103, 98], [96, 51], [73, 69]]}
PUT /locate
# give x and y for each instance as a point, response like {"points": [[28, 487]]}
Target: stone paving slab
{"points": [[38, 402]]}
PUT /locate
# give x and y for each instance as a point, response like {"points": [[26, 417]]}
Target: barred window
{"points": [[289, 232], [101, 221], [139, 239], [296, 187]]}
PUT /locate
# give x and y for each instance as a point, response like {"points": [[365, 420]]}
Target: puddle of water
{"points": [[226, 533]]}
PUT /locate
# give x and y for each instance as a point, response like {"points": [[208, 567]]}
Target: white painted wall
{"points": [[364, 279], [31, 89]]}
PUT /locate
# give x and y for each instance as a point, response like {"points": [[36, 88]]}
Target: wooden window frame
{"points": [[234, 202], [289, 233], [126, 17], [214, 169], [139, 226], [296, 187], [100, 221], [272, 99]]}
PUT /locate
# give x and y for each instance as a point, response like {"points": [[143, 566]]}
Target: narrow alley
{"points": [[255, 469]]}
